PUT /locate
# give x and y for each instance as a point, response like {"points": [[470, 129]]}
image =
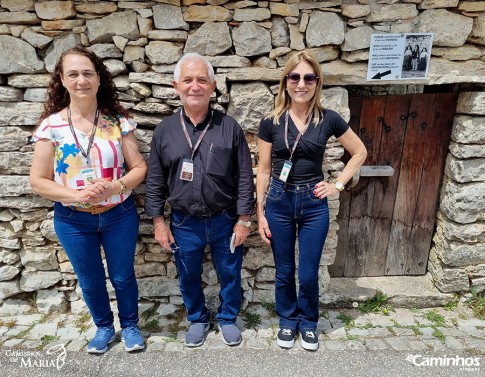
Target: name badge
{"points": [[187, 172], [285, 172], [88, 175]]}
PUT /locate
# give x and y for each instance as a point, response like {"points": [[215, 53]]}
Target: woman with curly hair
{"points": [[87, 161]]}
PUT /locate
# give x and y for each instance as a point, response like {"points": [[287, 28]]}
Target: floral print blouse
{"points": [[105, 156]]}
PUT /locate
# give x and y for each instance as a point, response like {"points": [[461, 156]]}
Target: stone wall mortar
{"points": [[248, 43]]}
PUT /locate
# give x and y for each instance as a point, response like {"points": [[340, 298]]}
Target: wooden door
{"points": [[386, 223]]}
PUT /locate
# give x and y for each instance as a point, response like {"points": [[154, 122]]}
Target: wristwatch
{"points": [[245, 223], [339, 186]]}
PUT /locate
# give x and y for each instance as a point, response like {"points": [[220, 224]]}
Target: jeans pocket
{"points": [[313, 197], [128, 204], [178, 218], [274, 194], [63, 212]]}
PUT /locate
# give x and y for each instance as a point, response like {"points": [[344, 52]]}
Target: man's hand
{"points": [[241, 231], [162, 233]]}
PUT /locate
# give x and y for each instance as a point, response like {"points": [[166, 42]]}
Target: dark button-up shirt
{"points": [[222, 168]]}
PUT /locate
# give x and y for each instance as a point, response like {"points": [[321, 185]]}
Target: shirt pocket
{"points": [[220, 162]]}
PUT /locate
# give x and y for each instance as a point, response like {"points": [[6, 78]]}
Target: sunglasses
{"points": [[309, 78]]}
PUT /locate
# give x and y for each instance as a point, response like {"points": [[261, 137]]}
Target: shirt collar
{"points": [[202, 123]]}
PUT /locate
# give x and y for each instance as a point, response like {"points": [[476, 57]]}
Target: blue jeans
{"points": [[81, 234], [192, 235], [294, 211]]}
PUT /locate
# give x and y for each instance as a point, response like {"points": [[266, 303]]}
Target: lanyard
{"points": [[199, 140], [300, 134], [91, 137]]}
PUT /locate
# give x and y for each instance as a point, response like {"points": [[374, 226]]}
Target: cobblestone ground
{"points": [[413, 330]]}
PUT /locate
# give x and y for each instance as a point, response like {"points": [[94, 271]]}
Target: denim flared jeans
{"points": [[192, 235], [82, 234], [294, 213]]}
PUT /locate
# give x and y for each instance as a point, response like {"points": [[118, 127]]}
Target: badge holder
{"points": [[187, 172], [285, 171]]}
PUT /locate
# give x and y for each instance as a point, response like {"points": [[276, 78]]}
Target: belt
{"points": [[95, 210]]}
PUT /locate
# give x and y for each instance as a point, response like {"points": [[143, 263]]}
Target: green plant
{"points": [[151, 326], [438, 335], [46, 339], [43, 318], [82, 322], [269, 306], [252, 320], [452, 305], [416, 330], [33, 301], [324, 315], [177, 315], [352, 337], [368, 326], [396, 324], [173, 329], [347, 319], [477, 303], [147, 314], [375, 304], [435, 317], [26, 331]]}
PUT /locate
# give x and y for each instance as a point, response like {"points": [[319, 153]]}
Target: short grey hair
{"points": [[193, 56]]}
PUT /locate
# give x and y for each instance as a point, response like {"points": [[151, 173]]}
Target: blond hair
{"points": [[283, 100]]}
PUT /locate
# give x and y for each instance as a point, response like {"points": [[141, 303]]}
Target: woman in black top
{"points": [[292, 142]]}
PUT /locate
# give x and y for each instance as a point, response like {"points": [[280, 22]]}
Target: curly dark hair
{"points": [[107, 96]]}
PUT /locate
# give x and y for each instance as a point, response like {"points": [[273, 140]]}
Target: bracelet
{"points": [[123, 186]]}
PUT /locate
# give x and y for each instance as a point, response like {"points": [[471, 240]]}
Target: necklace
{"points": [[91, 137]]}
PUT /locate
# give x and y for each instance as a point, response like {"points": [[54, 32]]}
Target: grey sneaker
{"points": [[196, 335], [231, 335]]}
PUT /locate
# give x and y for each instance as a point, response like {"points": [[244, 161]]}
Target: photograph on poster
{"points": [[416, 56], [399, 56]]}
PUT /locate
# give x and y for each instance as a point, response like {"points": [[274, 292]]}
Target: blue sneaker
{"points": [[132, 338], [196, 335], [231, 335], [104, 336]]}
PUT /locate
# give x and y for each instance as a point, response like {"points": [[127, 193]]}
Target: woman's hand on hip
{"points": [[324, 189]]}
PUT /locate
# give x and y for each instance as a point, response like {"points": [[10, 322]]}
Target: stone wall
{"points": [[247, 42], [457, 257]]}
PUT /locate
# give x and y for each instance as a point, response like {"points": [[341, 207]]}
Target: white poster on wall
{"points": [[399, 56]]}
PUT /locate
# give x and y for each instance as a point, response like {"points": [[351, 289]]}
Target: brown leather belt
{"points": [[95, 210]]}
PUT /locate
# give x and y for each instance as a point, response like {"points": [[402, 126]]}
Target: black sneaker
{"points": [[286, 338], [309, 340]]}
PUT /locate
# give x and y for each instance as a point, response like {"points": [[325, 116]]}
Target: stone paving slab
{"points": [[403, 330]]}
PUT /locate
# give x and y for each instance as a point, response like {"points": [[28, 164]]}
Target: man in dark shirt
{"points": [[200, 163]]}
